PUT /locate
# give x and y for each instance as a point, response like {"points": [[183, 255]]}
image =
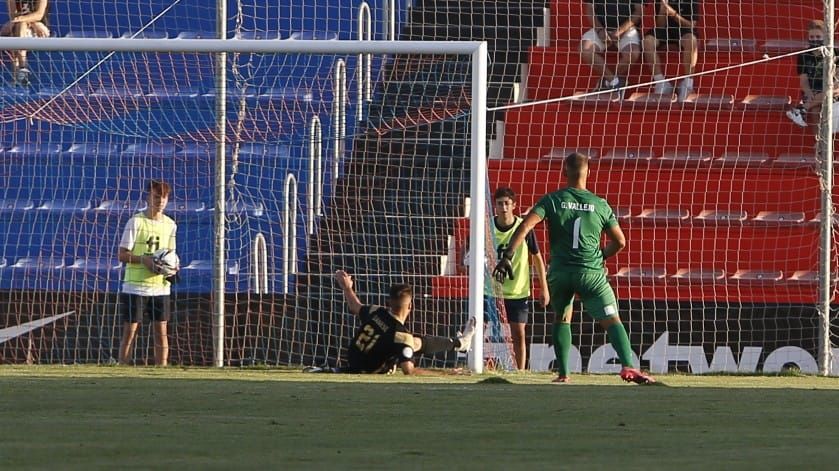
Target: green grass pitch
{"points": [[79, 417]]}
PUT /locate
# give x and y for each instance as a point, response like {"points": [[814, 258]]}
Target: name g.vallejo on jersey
{"points": [[577, 206]]}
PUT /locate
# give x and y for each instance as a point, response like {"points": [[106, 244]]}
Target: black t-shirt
{"points": [[687, 9], [812, 64], [613, 13], [380, 342]]}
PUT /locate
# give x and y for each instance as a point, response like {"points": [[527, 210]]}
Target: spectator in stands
{"points": [[614, 23], [144, 291], [516, 292], [27, 18], [675, 23], [811, 75]]}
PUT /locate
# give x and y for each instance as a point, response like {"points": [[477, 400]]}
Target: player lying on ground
{"points": [[382, 342], [576, 219]]}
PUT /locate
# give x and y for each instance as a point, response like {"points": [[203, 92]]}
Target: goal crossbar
{"points": [[261, 46]]}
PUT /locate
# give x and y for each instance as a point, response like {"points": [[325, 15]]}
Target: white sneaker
{"points": [[797, 117], [617, 85], [685, 89], [465, 337], [664, 88]]}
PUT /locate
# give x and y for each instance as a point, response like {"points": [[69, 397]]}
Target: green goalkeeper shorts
{"points": [[594, 289]]}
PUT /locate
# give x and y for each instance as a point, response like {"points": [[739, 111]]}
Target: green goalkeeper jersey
{"points": [[576, 220]]}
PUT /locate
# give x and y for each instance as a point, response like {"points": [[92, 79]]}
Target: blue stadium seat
{"points": [[116, 91], [196, 35], [10, 96], [257, 35], [162, 90], [196, 276], [96, 264], [200, 151], [199, 265], [248, 208], [295, 95], [115, 206], [40, 263], [36, 149], [189, 215], [262, 149], [15, 205], [314, 35], [94, 148], [150, 148], [88, 34], [185, 207], [47, 92], [145, 34], [65, 205], [92, 274]]}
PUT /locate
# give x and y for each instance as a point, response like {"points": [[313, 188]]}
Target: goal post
{"points": [[476, 51], [826, 149]]}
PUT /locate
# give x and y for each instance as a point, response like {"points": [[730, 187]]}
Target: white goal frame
{"points": [[478, 167]]}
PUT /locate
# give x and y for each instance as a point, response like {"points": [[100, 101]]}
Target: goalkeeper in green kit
{"points": [[576, 219]]}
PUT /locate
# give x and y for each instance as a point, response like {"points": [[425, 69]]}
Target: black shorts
{"points": [[134, 306], [517, 310], [670, 34]]}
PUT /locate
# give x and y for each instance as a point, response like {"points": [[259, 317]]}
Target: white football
{"points": [[166, 262]]}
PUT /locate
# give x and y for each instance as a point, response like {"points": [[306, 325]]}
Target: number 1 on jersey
{"points": [[576, 242]]}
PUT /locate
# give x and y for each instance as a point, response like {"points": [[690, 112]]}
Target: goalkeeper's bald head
{"points": [[576, 166]]}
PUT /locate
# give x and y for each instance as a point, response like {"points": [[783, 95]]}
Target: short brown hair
{"points": [[160, 187], [815, 24], [505, 192], [400, 294], [574, 164]]}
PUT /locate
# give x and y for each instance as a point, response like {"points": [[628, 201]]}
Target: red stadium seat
{"points": [[699, 274], [758, 275], [713, 216]]}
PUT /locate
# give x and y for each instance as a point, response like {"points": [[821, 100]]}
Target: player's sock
{"points": [[432, 344], [562, 346], [620, 341]]}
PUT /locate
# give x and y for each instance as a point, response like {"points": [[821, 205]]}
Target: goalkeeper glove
{"points": [[504, 267]]}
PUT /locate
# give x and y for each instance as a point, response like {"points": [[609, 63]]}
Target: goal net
{"points": [[364, 162], [315, 180]]}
